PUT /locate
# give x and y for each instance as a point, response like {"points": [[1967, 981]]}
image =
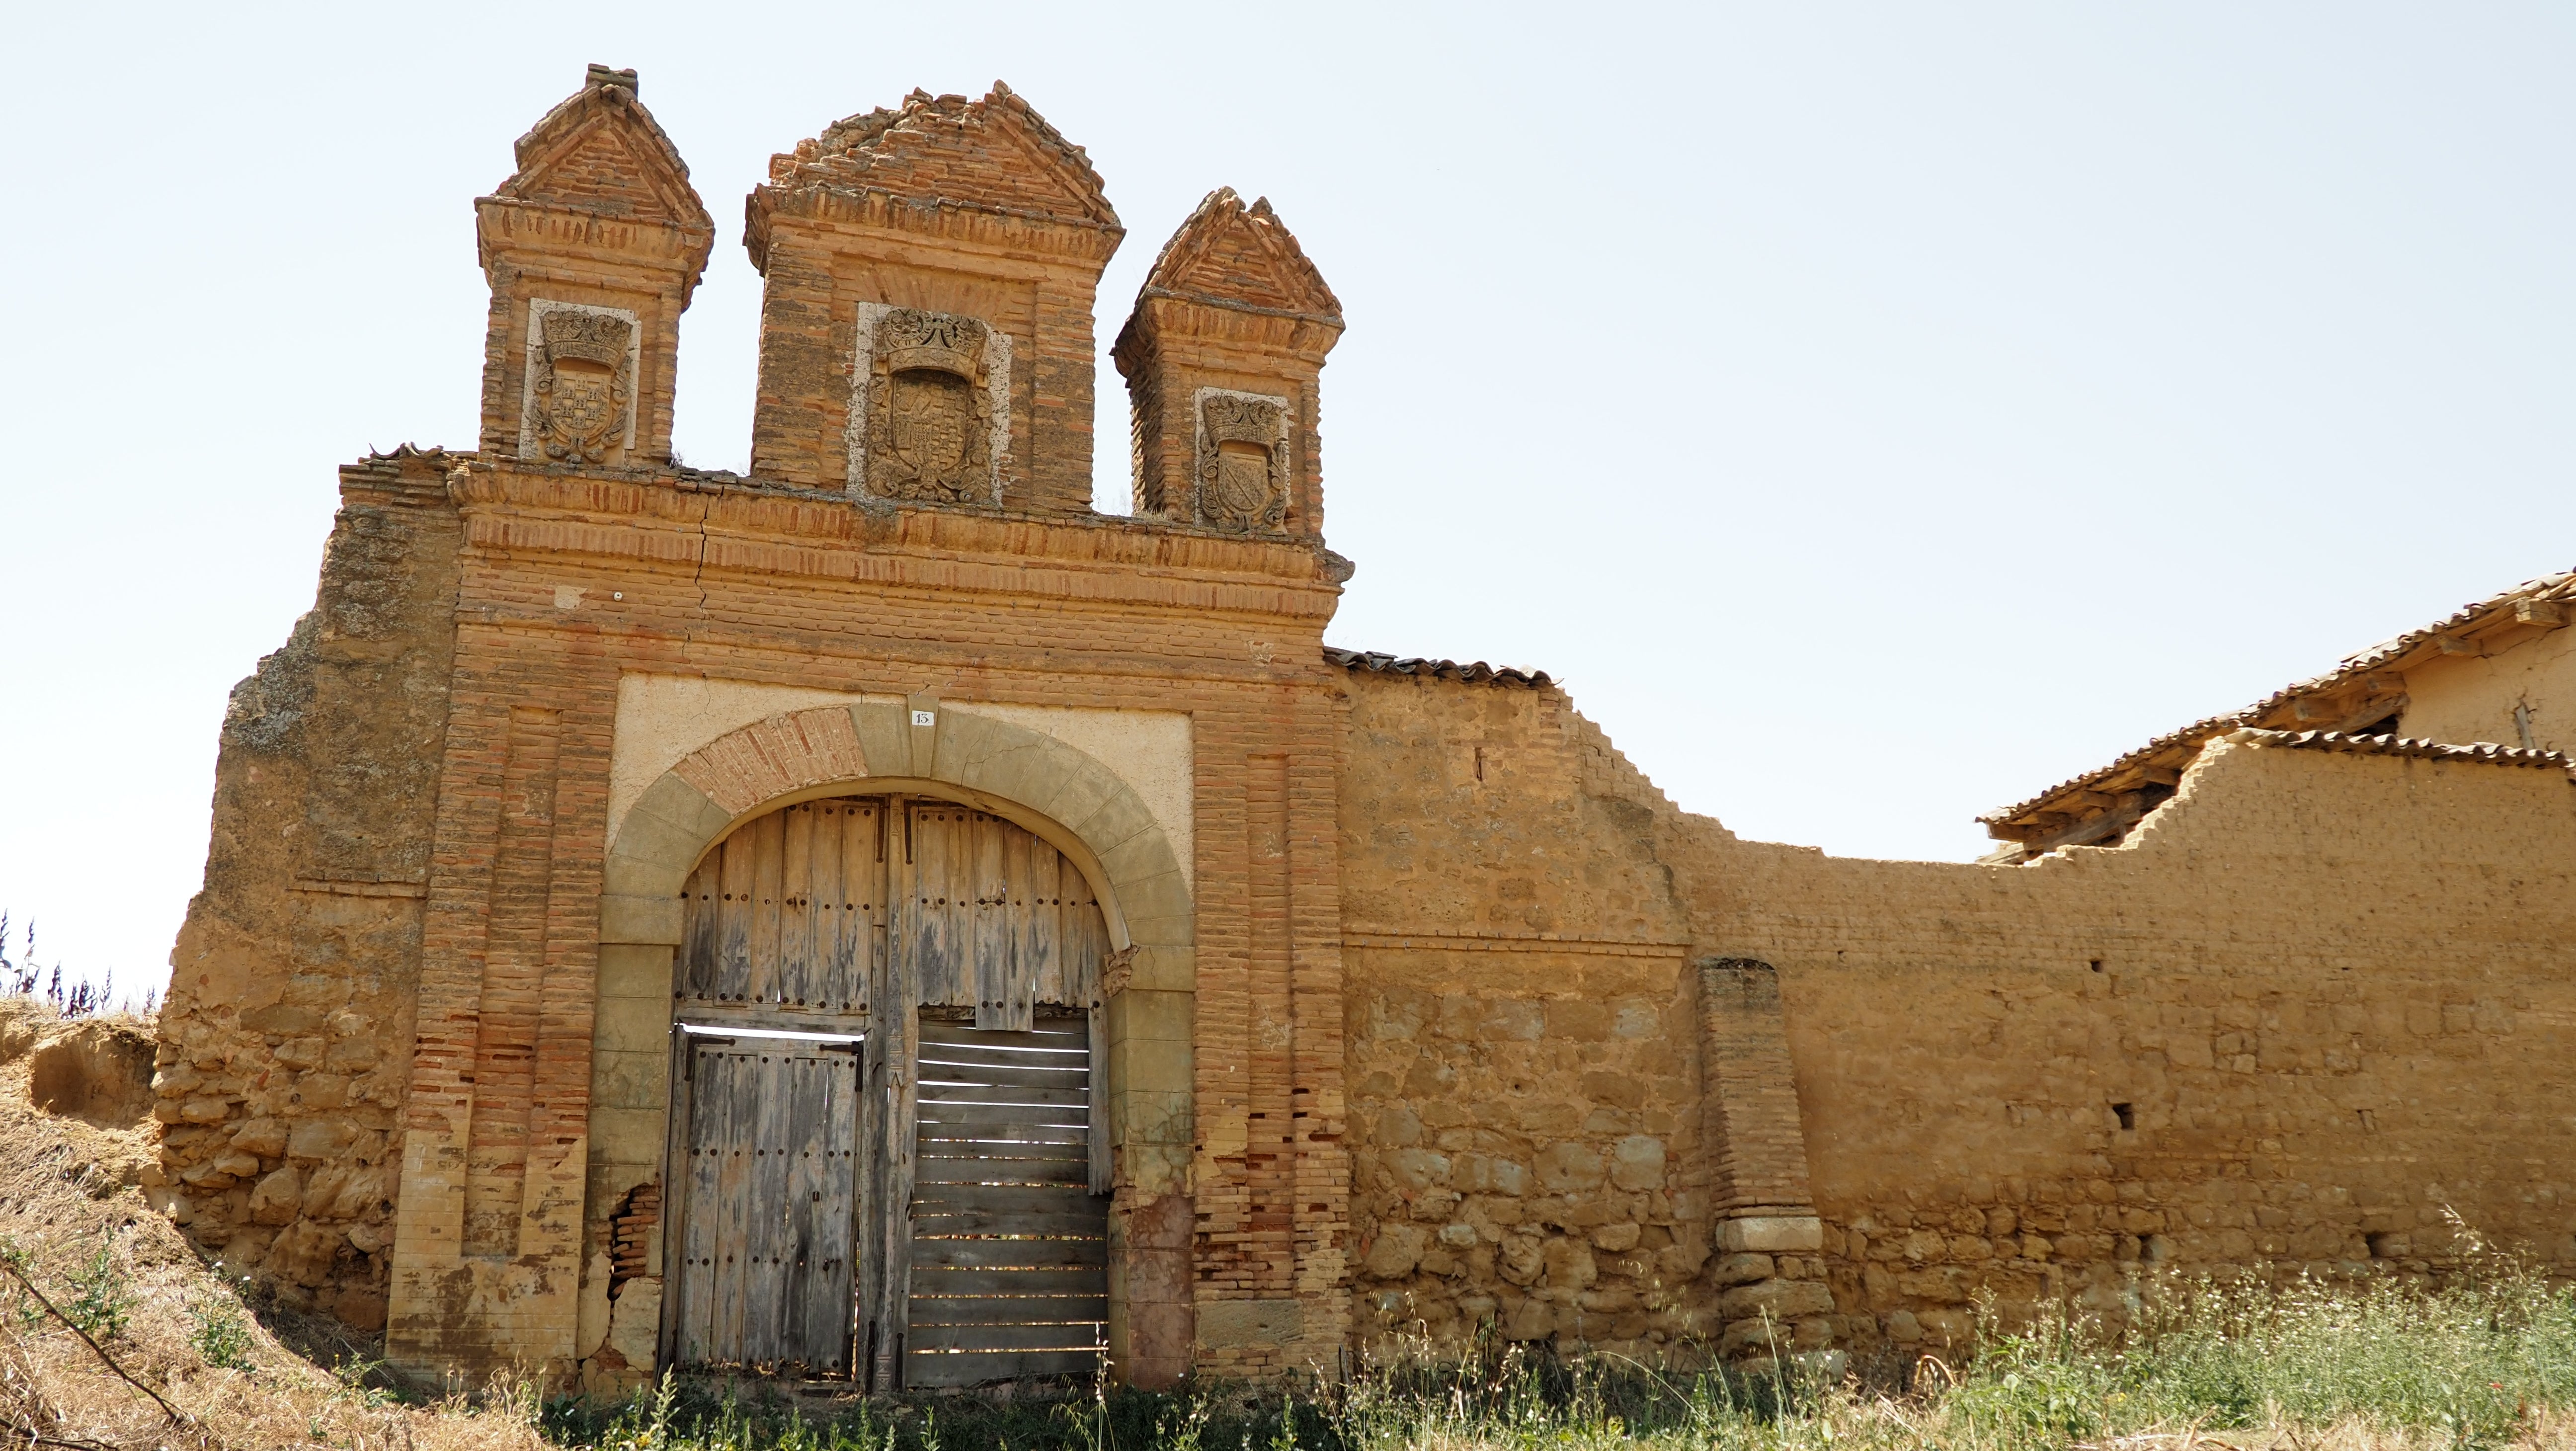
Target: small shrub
{"points": [[100, 1302], [220, 1330]]}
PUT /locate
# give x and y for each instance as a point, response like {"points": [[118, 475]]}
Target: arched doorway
{"points": [[885, 1150]]}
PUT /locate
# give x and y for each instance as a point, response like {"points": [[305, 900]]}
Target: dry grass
{"points": [[75, 1223], [174, 1357]]}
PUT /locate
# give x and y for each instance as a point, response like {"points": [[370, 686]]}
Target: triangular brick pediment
{"points": [[997, 153], [601, 151], [1241, 255]]}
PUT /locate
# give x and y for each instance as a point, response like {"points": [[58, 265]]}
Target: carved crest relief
{"points": [[928, 408], [1242, 462], [580, 403]]}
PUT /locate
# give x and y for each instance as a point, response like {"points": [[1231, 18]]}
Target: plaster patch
{"points": [[662, 718], [1151, 750]]}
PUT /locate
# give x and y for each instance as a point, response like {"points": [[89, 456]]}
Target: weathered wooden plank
{"points": [[953, 1061], [999, 1002], [1075, 1096], [795, 905], [1065, 1035], [700, 931], [1098, 1095], [732, 977], [862, 896], [936, 1169], [953, 1162], [942, 1369], [953, 1220], [767, 838], [817, 983], [1054, 1070], [1069, 1335], [1009, 1310], [1003, 1254], [1018, 1141], [1002, 1114], [1005, 1199], [1037, 918], [933, 1282]]}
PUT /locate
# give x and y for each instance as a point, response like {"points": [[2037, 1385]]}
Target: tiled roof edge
{"points": [[2352, 667], [2481, 752], [1478, 673]]}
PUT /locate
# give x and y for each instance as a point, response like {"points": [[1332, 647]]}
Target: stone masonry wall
{"points": [[284, 1043]]}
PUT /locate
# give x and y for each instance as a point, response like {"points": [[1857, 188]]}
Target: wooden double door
{"points": [[884, 1148]]}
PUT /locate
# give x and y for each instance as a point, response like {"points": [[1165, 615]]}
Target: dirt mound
{"points": [[97, 1070], [75, 1138]]}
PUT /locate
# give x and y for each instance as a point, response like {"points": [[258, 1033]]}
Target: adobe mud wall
{"points": [[2321, 1000]]}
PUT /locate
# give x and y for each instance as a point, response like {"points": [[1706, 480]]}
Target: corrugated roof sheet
{"points": [[1478, 673]]}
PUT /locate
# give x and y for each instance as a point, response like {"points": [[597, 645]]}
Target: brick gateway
{"points": [[620, 851]]}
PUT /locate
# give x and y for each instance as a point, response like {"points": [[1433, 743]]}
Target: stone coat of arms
{"points": [[929, 411], [581, 385], [1242, 463]]}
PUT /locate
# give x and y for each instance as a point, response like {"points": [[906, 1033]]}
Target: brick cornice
{"points": [[756, 531], [771, 211]]}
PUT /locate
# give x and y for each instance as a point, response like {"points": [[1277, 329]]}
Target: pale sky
{"points": [[1872, 413]]}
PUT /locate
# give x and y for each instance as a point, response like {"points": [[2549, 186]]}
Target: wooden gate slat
{"points": [[1002, 1199], [1066, 1335], [1071, 1280], [965, 1368], [934, 1220], [943, 1090], [1010, 1310], [1003, 1254], [1050, 1035]]}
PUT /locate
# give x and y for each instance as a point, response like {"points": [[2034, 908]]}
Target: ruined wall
{"points": [[2319, 1000], [286, 1036], [1524, 1069], [2324, 992]]}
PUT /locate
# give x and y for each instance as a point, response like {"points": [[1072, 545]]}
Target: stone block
{"points": [[1163, 894], [625, 919], [1742, 1269], [1160, 968], [1151, 1065], [1394, 1251], [679, 804], [320, 1139], [1771, 1234], [630, 1080], [1136, 1014], [1140, 858], [885, 737], [626, 1135], [1228, 1324], [1117, 821], [1176, 932], [1782, 1300]]}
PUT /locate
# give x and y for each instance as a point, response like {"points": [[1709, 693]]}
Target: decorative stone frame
{"points": [[531, 447], [1258, 418], [864, 375], [1061, 794]]}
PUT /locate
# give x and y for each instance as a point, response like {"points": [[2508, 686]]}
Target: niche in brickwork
{"points": [[1242, 461], [930, 408], [578, 406]]}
